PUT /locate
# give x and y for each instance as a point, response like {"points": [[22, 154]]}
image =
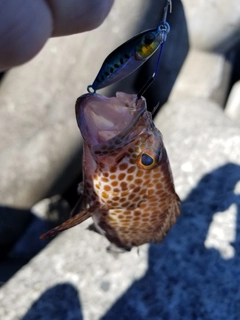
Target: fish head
{"points": [[110, 126], [105, 123]]}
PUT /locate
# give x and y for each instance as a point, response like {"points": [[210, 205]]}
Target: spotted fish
{"points": [[128, 187]]}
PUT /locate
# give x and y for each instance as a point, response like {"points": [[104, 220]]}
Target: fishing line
{"points": [[152, 78]]}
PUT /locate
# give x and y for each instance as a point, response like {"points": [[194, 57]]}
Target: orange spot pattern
{"points": [[141, 205]]}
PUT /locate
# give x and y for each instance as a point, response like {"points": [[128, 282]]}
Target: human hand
{"points": [[26, 25]]}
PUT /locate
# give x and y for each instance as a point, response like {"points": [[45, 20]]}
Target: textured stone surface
{"points": [[78, 262], [213, 24], [199, 139], [203, 75], [191, 113]]}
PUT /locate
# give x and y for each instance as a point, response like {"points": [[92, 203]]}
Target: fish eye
{"points": [[148, 39], [146, 161]]}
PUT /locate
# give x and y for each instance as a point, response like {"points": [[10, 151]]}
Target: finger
{"points": [[25, 26], [73, 16]]}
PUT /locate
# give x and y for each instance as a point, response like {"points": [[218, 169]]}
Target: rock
{"points": [[190, 113], [213, 25], [204, 75], [207, 140], [40, 126], [55, 209], [78, 260], [232, 109]]}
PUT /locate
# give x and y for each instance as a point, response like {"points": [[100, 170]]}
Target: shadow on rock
{"points": [[61, 302], [185, 279], [20, 232], [13, 222]]}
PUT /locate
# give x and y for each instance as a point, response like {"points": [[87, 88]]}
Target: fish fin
{"points": [[72, 222], [79, 206]]}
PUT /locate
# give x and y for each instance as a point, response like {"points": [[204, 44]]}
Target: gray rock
{"points": [[190, 113], [204, 75], [76, 259], [54, 209], [213, 25], [207, 140]]}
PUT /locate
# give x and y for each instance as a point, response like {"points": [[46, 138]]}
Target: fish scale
{"points": [[134, 215]]}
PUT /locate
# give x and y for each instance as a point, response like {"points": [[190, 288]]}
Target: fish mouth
{"points": [[101, 119]]}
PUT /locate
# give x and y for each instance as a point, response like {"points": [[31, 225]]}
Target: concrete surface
{"points": [[213, 25], [206, 75]]}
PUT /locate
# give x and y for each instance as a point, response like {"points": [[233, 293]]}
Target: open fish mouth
{"points": [[103, 119]]}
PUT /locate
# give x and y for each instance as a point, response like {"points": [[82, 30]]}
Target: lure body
{"points": [[129, 56], [128, 188]]}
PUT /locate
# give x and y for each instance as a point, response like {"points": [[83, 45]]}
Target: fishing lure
{"points": [[128, 187], [131, 55]]}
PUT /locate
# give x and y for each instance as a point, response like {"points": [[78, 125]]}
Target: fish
{"points": [[128, 187], [129, 56]]}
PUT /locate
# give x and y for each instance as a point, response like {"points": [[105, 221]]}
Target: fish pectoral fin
{"points": [[72, 222], [80, 206]]}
